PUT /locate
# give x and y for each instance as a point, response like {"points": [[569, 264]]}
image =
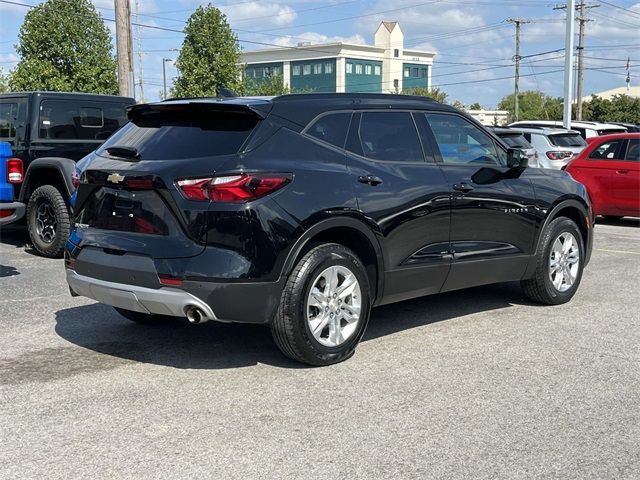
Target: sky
{"points": [[475, 44]]}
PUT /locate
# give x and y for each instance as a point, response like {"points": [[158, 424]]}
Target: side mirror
{"points": [[515, 158]]}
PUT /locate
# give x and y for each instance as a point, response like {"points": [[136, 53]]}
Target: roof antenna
{"points": [[222, 92]]}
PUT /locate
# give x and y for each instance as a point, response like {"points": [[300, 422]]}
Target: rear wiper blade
{"points": [[123, 151]]}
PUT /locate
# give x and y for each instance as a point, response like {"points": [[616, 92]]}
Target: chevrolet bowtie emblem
{"points": [[115, 178]]}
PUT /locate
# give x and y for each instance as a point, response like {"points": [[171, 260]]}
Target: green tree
{"points": [[269, 87], [459, 105], [475, 106], [64, 46], [620, 108], [209, 57], [533, 105], [435, 93], [4, 82]]}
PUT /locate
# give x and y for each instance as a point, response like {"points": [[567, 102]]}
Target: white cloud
{"points": [[259, 14], [314, 38]]}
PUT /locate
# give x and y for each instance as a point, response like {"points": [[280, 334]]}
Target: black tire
{"points": [[47, 206], [540, 288], [290, 328], [145, 318]]}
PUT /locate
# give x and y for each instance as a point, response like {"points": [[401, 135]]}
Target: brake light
{"points": [[233, 188], [15, 170], [559, 155], [6, 213], [169, 280]]}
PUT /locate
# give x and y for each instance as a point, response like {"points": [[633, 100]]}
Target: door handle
{"points": [[370, 179], [622, 172], [462, 187]]}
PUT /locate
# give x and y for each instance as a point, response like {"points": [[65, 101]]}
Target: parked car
{"points": [[515, 139], [304, 211], [586, 129], [555, 146], [630, 127], [49, 132], [610, 169], [10, 173]]}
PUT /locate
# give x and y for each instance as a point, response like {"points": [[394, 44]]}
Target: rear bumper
{"points": [[160, 301], [18, 208]]}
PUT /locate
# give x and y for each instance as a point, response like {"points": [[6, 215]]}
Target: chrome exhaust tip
{"points": [[195, 315]]}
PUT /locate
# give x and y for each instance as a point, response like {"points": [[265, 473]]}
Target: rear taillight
{"points": [[15, 170], [233, 188], [553, 155], [6, 213]]}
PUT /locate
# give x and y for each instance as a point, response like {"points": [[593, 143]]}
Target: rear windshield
{"points": [[567, 140], [515, 141], [609, 131], [175, 135]]}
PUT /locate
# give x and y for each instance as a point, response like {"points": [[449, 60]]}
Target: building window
{"points": [[306, 69], [423, 73], [396, 84], [396, 52], [367, 69], [296, 69], [358, 69], [349, 67], [376, 69], [328, 68], [317, 68], [266, 72], [415, 72], [276, 71], [407, 72]]}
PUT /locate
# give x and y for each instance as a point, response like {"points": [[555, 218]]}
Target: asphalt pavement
{"points": [[473, 384]]}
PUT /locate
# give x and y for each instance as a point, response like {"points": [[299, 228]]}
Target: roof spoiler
{"points": [[141, 111]]}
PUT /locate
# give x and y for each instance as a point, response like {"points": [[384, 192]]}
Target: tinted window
{"points": [[8, 113], [390, 136], [515, 141], [567, 140], [633, 150], [162, 135], [63, 119], [608, 150], [460, 141], [331, 128]]}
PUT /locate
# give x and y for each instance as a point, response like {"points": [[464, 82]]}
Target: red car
{"points": [[609, 167]]}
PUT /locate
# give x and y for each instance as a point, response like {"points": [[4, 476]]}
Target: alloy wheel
{"points": [[46, 222], [564, 261]]}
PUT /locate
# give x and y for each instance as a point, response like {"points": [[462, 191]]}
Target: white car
{"points": [[586, 129], [555, 146]]}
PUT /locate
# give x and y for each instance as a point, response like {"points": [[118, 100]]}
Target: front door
{"points": [[406, 198], [493, 217]]}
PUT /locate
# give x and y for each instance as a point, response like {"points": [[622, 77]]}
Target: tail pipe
{"points": [[196, 314]]}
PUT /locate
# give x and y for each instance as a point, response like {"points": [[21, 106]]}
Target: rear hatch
{"points": [[568, 141], [128, 200]]}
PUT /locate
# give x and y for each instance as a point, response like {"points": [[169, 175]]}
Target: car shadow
{"points": [[216, 345], [620, 222]]}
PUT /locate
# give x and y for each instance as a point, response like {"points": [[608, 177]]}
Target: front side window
{"points": [[331, 128], [390, 136], [8, 114], [349, 67], [460, 142], [358, 69], [64, 119], [633, 150], [608, 151], [296, 70]]}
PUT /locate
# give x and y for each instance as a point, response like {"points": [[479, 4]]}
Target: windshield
{"points": [[567, 140], [515, 141], [174, 135], [609, 131]]}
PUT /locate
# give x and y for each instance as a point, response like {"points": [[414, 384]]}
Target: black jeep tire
{"points": [[48, 221], [540, 288], [291, 327], [145, 318]]}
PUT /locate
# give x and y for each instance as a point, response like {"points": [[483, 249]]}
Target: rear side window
{"points": [[460, 142], [69, 120], [608, 151], [185, 133], [567, 140], [8, 114], [633, 150], [331, 128], [515, 141], [390, 136]]}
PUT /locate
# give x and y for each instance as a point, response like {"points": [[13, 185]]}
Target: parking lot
{"points": [[471, 384]]}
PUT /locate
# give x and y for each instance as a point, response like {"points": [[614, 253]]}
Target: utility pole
{"points": [[581, 21], [568, 63], [123, 46], [517, 58], [164, 77]]}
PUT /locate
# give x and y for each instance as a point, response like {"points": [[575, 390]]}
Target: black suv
{"points": [[48, 132], [304, 211]]}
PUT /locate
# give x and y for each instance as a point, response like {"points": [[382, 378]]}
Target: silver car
{"points": [[555, 146]]}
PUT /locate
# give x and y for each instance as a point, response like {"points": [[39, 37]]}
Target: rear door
{"points": [[628, 178], [405, 195], [493, 219]]}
